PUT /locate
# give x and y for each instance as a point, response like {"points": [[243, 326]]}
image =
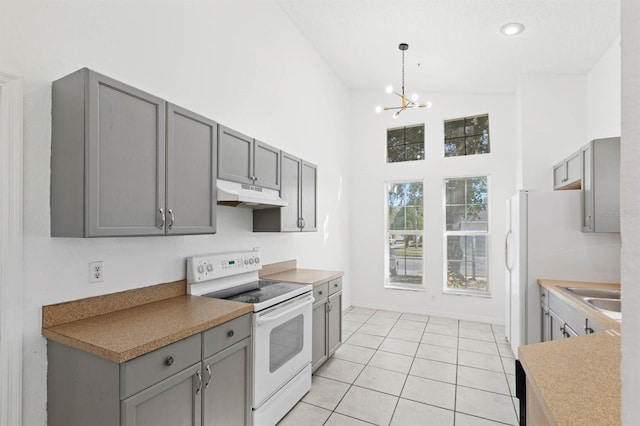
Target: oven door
{"points": [[282, 345]]}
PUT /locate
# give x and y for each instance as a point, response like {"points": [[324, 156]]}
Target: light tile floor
{"points": [[404, 369]]}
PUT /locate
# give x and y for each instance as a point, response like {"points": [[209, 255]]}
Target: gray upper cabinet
{"points": [[601, 185], [308, 194], [125, 163], [107, 158], [298, 186], [246, 160], [191, 172], [567, 173], [235, 156]]}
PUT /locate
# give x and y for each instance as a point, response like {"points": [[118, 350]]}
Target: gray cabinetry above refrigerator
{"points": [[127, 163]]}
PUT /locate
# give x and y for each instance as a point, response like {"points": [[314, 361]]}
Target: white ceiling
{"points": [[456, 42]]}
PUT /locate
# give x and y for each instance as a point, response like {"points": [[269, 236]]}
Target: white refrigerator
{"points": [[544, 239]]}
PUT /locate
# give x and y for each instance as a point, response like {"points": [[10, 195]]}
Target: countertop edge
{"points": [[300, 276]]}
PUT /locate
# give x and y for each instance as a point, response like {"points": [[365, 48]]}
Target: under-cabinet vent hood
{"points": [[243, 195]]}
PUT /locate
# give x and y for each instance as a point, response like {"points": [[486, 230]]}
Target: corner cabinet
{"points": [[170, 386], [118, 158], [246, 160], [326, 321], [299, 181]]}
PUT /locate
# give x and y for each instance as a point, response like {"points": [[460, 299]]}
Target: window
{"points": [[405, 224], [466, 136], [405, 144], [466, 235]]}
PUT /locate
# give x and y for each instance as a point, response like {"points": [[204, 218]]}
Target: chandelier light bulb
{"points": [[429, 104], [512, 28], [396, 114], [414, 97], [389, 89], [378, 109]]}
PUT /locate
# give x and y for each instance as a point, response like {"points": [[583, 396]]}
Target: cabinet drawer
{"points": [[225, 335], [321, 291], [149, 369], [335, 285], [570, 316]]}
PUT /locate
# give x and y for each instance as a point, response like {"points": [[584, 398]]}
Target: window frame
{"points": [[421, 233], [405, 145], [446, 233], [465, 136]]}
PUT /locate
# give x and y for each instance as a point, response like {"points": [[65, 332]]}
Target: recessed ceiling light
{"points": [[512, 28]]}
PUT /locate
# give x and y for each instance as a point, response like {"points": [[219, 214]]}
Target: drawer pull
{"points": [[230, 333], [335, 285], [169, 360], [320, 293]]}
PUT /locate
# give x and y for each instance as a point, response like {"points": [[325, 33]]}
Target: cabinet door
{"points": [[266, 165], [334, 328], [308, 196], [559, 175], [546, 325], [227, 390], [126, 160], [191, 172], [174, 401], [587, 189], [319, 349], [556, 326], [290, 191], [572, 166], [235, 156]]}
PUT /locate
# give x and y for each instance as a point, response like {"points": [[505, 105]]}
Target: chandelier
{"points": [[406, 103]]}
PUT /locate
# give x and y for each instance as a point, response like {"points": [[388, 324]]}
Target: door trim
{"points": [[11, 254]]}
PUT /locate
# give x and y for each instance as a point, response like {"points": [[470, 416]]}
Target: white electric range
{"points": [[281, 333]]}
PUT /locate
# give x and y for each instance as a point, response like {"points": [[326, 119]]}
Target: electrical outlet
{"points": [[96, 272]]}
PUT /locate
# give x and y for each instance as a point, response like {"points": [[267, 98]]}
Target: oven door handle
{"points": [[266, 319]]}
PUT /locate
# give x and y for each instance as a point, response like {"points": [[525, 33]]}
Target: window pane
{"points": [[454, 129], [467, 262], [455, 217], [395, 137], [455, 191], [477, 144], [395, 154], [414, 134], [415, 151], [405, 260], [454, 147], [476, 190], [476, 218]]}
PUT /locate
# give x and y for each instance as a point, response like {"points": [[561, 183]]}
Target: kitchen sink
{"points": [[612, 305], [594, 292]]}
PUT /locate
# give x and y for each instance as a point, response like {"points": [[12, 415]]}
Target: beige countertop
{"points": [[600, 319], [304, 276], [576, 380], [108, 326]]}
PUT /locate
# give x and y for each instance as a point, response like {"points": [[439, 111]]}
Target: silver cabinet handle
{"points": [[171, 218], [255, 178], [303, 223], [199, 388], [206, 385], [161, 218], [587, 221]]}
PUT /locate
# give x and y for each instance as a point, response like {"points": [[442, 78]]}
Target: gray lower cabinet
{"points": [[246, 160], [116, 151], [601, 185], [560, 320], [326, 321], [298, 186], [170, 386]]}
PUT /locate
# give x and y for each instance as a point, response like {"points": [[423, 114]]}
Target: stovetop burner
{"points": [[258, 292]]}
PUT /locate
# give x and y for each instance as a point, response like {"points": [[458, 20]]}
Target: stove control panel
{"points": [[213, 266]]}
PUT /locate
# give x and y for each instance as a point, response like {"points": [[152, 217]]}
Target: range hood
{"points": [[243, 195]]}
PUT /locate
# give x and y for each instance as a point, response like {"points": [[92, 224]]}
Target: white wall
{"points": [[370, 171], [603, 95], [244, 65], [630, 209], [553, 114]]}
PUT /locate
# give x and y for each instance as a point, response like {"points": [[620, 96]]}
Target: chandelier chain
{"points": [[403, 73]]}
